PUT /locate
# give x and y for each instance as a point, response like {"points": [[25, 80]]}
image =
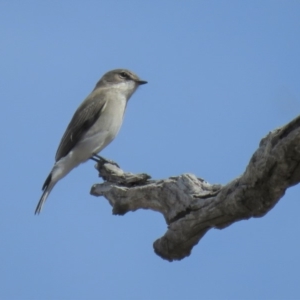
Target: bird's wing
{"points": [[84, 118]]}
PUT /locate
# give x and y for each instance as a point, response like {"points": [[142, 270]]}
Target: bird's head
{"points": [[122, 79]]}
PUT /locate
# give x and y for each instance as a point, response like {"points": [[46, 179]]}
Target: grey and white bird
{"points": [[94, 125]]}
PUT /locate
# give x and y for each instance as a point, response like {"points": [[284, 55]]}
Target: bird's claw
{"points": [[100, 159]]}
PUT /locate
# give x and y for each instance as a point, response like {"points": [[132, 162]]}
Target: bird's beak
{"points": [[140, 82]]}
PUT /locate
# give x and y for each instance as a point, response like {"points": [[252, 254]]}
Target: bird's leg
{"points": [[94, 159], [99, 158]]}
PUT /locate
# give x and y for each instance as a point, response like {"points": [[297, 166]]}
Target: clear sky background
{"points": [[221, 74]]}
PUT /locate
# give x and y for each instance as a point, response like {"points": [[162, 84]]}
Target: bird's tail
{"points": [[47, 187]]}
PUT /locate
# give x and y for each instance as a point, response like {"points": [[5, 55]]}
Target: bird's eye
{"points": [[124, 75]]}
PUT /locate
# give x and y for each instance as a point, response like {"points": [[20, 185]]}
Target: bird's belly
{"points": [[103, 131]]}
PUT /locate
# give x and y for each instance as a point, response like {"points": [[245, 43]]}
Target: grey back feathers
{"points": [[83, 119]]}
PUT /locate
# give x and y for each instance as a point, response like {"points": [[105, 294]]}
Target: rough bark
{"points": [[191, 206]]}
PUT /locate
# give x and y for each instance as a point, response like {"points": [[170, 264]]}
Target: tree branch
{"points": [[191, 206]]}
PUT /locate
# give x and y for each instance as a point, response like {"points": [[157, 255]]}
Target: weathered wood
{"points": [[191, 206]]}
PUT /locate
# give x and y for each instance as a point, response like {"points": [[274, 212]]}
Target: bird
{"points": [[93, 126]]}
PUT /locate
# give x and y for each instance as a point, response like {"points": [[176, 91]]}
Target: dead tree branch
{"points": [[191, 206]]}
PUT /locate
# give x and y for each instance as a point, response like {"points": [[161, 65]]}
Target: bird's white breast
{"points": [[105, 128]]}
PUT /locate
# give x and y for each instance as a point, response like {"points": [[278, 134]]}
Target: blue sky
{"points": [[221, 74]]}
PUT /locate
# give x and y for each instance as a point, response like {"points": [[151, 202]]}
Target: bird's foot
{"points": [[99, 159]]}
